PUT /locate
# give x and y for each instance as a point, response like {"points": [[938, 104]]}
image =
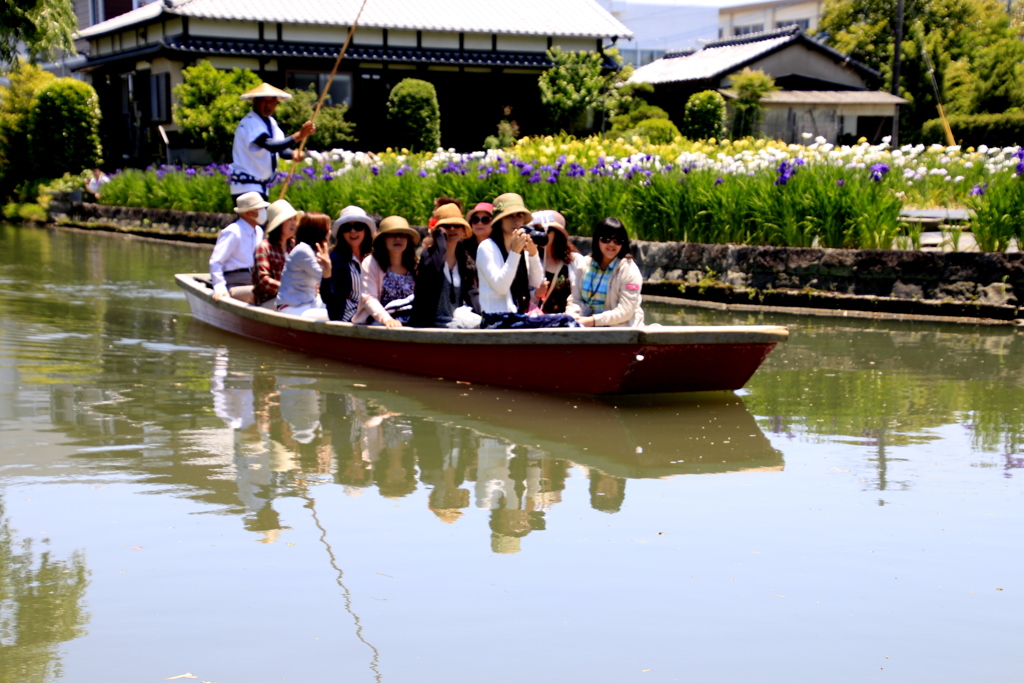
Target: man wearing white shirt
{"points": [[234, 255], [258, 141]]}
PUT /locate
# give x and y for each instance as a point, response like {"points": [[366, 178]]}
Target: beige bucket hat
{"points": [[508, 204], [279, 212], [250, 201]]}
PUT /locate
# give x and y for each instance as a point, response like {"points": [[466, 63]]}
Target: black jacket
{"points": [[334, 290], [430, 279]]}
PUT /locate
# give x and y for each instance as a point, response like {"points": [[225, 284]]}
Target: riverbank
{"points": [[957, 287]]}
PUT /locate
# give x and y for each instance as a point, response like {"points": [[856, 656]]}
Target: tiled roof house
{"points": [[481, 55], [823, 91]]}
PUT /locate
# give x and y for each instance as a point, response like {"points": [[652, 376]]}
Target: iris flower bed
{"points": [[743, 192]]}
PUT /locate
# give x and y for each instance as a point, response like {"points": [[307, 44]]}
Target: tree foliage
{"points": [[571, 86], [64, 129], [45, 27], [16, 100], [208, 107], [415, 115], [704, 116], [582, 81], [750, 88], [332, 130], [975, 52]]}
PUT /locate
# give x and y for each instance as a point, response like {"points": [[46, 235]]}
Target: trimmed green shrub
{"points": [[994, 130], [64, 129], [704, 116], [26, 80], [625, 122], [208, 107], [415, 116], [657, 131], [332, 130]]}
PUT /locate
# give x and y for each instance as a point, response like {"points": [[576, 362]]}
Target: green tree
{"points": [[748, 111], [415, 115], [208, 107], [332, 130], [42, 600], [582, 81], [26, 80], [64, 129], [571, 86], [970, 43], [704, 116], [45, 27]]}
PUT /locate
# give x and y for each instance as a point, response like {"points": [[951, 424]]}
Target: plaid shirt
{"points": [[266, 278], [594, 288]]}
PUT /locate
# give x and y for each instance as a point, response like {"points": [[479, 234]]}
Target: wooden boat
{"points": [[578, 361]]}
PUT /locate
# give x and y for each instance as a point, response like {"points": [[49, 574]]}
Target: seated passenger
{"points": [[506, 278], [307, 264], [353, 233], [282, 221], [389, 274], [562, 264], [233, 257], [608, 292], [479, 218], [446, 274]]}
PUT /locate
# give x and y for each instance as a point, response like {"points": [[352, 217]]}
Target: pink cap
{"points": [[481, 207]]}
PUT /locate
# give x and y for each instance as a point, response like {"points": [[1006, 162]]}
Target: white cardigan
{"points": [[496, 276]]}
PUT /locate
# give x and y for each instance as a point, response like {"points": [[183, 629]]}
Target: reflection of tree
{"points": [[40, 607]]}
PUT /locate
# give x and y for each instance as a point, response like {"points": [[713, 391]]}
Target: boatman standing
{"points": [[235, 253], [258, 141]]}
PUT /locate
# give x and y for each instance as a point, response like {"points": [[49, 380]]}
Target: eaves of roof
{"points": [[569, 18], [196, 48], [747, 53]]}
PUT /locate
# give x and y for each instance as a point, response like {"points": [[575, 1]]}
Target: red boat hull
{"points": [[564, 361]]}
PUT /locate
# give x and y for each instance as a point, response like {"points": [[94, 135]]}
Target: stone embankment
{"points": [[976, 286]]}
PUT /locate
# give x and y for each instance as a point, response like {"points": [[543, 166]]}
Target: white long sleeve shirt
{"points": [[235, 249], [496, 276]]}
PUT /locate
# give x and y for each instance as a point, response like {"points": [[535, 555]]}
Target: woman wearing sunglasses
{"points": [[446, 274], [479, 218], [608, 291], [353, 234]]}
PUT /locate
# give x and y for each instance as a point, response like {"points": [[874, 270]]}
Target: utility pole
{"points": [[896, 55]]}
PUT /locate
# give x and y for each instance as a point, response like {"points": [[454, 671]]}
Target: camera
{"points": [[539, 236]]}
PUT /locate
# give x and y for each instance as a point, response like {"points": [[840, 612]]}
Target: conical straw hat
{"points": [[266, 90]]}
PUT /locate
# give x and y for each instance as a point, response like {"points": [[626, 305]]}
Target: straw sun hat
{"points": [[396, 225], [449, 214], [508, 204], [266, 90]]}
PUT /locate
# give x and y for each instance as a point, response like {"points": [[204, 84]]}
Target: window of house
{"points": [[804, 24], [341, 87], [749, 28]]}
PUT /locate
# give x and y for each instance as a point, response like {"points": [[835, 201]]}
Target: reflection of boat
{"points": [[603, 361], [634, 438]]}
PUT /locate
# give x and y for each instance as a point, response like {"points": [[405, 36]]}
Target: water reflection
{"points": [[464, 446], [41, 606]]}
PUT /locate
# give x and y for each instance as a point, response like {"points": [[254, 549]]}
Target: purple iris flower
{"points": [[879, 170], [840, 182], [189, 173], [719, 180], [374, 170], [422, 173], [978, 190]]}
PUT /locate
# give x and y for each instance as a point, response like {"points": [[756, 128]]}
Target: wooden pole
{"points": [[897, 55], [323, 95]]}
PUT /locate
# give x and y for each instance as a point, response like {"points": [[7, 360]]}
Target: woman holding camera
{"points": [[608, 291], [507, 276], [562, 265]]}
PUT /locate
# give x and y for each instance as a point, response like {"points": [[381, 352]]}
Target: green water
{"points": [[176, 500]]}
